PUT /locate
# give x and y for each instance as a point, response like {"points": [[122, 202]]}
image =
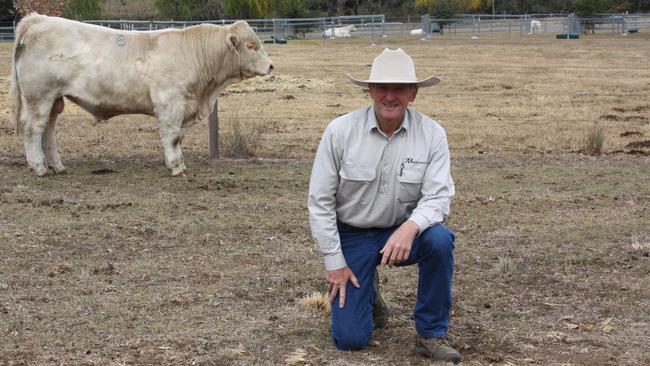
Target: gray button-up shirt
{"points": [[365, 179]]}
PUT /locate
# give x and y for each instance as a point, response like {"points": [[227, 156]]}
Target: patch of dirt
{"points": [[641, 119], [631, 133], [637, 109], [638, 145], [610, 117]]}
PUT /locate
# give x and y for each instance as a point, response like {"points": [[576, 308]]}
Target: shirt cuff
{"points": [[421, 222], [335, 261]]}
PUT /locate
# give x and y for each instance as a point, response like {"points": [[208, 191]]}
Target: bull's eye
{"points": [[252, 46]]}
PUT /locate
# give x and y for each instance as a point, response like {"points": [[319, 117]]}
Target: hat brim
{"points": [[430, 81]]}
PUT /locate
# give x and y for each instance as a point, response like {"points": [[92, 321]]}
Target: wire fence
{"points": [[376, 26]]}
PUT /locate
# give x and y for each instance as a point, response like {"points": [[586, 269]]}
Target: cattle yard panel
{"points": [[7, 30], [376, 26]]}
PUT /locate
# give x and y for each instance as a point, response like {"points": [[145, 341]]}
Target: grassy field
{"points": [[118, 263]]}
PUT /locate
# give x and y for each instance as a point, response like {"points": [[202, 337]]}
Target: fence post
{"points": [[372, 30], [275, 32], [425, 25], [213, 132]]}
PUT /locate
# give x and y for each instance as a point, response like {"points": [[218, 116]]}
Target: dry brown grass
{"points": [[595, 141], [134, 267], [317, 303]]}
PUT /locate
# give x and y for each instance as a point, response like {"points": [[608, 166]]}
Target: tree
{"points": [[247, 9], [7, 11], [438, 9], [190, 9], [83, 9], [45, 7], [590, 8], [289, 8]]}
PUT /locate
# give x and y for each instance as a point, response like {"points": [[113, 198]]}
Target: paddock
{"points": [[118, 263]]}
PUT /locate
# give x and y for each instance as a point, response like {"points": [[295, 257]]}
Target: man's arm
{"points": [[437, 187], [433, 208], [323, 185]]}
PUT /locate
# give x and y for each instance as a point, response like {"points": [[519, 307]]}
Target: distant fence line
{"points": [[375, 26]]}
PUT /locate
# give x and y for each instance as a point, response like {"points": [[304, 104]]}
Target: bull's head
{"points": [[251, 57]]}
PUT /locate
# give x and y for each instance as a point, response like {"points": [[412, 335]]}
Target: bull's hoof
{"points": [[178, 173], [59, 170], [40, 170]]}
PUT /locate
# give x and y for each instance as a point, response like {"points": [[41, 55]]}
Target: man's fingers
{"points": [[342, 297], [406, 254], [354, 281], [333, 291], [386, 255], [394, 257]]}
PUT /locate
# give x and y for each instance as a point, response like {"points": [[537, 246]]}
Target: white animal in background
{"points": [[535, 27], [340, 32], [174, 75], [416, 31]]}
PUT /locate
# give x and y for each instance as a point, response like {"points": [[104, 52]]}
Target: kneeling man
{"points": [[380, 189]]}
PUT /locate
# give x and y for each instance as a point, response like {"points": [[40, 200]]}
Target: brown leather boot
{"points": [[437, 349], [379, 307]]}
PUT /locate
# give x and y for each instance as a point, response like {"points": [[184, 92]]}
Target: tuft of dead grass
{"points": [[504, 265], [240, 350], [296, 358], [242, 139], [641, 246], [594, 142], [316, 303]]}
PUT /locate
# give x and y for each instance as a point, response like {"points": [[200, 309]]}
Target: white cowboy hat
{"points": [[394, 67]]}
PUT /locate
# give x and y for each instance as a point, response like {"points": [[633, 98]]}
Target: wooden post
{"points": [[213, 132]]}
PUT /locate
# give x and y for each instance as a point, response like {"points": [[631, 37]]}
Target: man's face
{"points": [[391, 100]]}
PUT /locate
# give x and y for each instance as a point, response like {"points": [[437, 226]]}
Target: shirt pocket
{"points": [[355, 183], [410, 182]]}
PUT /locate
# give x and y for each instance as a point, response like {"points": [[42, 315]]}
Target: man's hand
{"points": [[338, 283], [398, 246]]}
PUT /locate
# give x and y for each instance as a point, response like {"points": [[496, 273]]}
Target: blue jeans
{"points": [[433, 252]]}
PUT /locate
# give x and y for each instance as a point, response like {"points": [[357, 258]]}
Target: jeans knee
{"points": [[438, 241], [352, 342]]}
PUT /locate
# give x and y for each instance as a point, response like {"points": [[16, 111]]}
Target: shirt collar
{"points": [[372, 120]]}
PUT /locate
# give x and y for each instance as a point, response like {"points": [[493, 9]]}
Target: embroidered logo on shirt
{"points": [[409, 161]]}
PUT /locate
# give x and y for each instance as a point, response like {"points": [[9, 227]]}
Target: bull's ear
{"points": [[233, 41]]}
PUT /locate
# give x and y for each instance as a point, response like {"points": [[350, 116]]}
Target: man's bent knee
{"points": [[352, 342], [438, 240]]}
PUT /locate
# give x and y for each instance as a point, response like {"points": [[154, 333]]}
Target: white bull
{"points": [[535, 27], [174, 75], [340, 32]]}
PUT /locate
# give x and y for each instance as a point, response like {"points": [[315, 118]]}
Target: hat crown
{"points": [[393, 66]]}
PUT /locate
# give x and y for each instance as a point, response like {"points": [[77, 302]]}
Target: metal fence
{"points": [[375, 26]]}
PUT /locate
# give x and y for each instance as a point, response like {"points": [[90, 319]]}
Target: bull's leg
{"points": [[34, 118], [171, 134], [49, 139]]}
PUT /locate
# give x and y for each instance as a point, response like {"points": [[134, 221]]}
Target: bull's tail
{"points": [[16, 100]]}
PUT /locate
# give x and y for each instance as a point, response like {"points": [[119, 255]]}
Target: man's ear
{"points": [[233, 41], [415, 93]]}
